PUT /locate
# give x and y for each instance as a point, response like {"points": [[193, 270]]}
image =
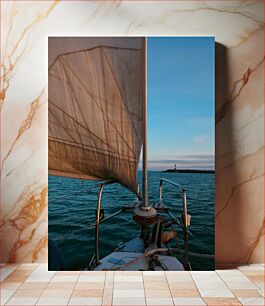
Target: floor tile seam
{"points": [[170, 291], [105, 289], [72, 289], [23, 298], [13, 270], [15, 290], [195, 284], [237, 299], [9, 297], [145, 298], [76, 283]]}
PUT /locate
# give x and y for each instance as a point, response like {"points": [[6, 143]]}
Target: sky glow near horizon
{"points": [[180, 80]]}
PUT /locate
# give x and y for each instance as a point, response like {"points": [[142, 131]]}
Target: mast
{"points": [[145, 215], [144, 157]]}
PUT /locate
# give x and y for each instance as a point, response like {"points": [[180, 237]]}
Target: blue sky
{"points": [[180, 102]]}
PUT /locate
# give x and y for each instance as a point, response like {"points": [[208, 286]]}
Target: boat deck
{"points": [[117, 260]]}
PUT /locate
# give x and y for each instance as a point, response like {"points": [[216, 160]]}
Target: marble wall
{"points": [[238, 28], [239, 216]]}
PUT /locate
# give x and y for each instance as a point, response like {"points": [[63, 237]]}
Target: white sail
{"points": [[96, 100]]}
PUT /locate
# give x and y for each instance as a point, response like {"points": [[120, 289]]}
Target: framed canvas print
{"points": [[131, 153]]}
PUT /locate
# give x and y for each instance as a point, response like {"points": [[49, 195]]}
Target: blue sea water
{"points": [[72, 206]]}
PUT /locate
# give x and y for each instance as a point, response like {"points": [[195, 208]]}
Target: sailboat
{"points": [[97, 131]]}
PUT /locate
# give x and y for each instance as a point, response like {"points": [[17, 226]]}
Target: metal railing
{"points": [[184, 197], [99, 220], [101, 187], [184, 216]]}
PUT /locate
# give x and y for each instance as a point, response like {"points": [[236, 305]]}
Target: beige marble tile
{"points": [[89, 286], [200, 274], [128, 273], [156, 286], [159, 301], [253, 272], [91, 278], [260, 285], [7, 293], [183, 293], [3, 300], [60, 286], [261, 292], [256, 278], [67, 273], [241, 285], [10, 285], [53, 301], [128, 301], [22, 301], [16, 278], [155, 273], [241, 293], [251, 301], [182, 286], [128, 293], [235, 279], [189, 301], [149, 293], [250, 267], [128, 279], [180, 279], [87, 293], [107, 297], [64, 279], [85, 301], [46, 294], [208, 284], [21, 272], [229, 272], [39, 278], [221, 301], [157, 278], [93, 273], [28, 293], [28, 266], [129, 286], [216, 293], [5, 271]]}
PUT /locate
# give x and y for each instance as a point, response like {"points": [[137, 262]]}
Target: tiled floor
{"points": [[32, 284]]}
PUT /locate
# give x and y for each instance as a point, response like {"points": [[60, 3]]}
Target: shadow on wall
{"points": [[239, 172], [224, 148]]}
